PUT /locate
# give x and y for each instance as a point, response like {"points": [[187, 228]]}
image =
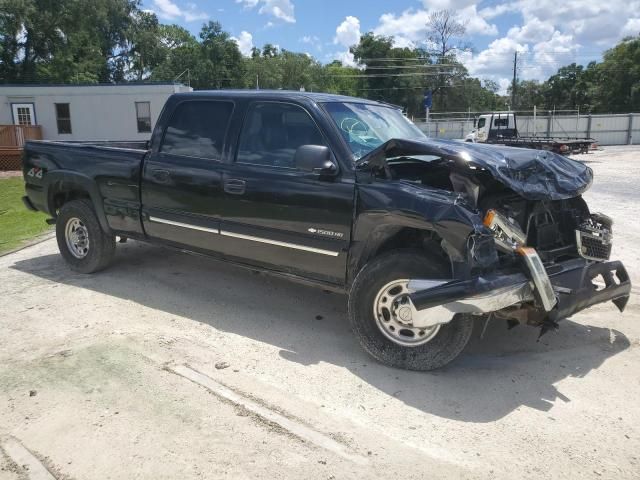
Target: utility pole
{"points": [[513, 85]]}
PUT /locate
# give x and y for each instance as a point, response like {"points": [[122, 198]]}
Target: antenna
{"points": [[175, 80]]}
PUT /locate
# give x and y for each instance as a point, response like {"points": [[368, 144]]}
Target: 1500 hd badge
{"points": [[326, 233]]}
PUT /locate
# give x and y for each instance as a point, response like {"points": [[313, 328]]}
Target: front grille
{"points": [[595, 245]]}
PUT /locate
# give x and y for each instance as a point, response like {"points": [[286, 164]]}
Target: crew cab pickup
{"points": [[425, 236]]}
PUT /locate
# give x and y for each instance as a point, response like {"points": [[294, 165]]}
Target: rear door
{"points": [[182, 178], [275, 215]]}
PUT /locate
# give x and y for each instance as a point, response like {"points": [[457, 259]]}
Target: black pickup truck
{"points": [[426, 237]]}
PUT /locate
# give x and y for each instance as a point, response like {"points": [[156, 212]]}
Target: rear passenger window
{"points": [[197, 129], [272, 132]]}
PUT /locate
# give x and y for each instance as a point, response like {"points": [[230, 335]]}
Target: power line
{"points": [[395, 67], [389, 75]]}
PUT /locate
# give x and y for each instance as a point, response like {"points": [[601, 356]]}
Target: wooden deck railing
{"points": [[12, 138], [16, 135]]}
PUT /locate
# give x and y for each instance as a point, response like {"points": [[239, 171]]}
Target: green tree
{"points": [[145, 48], [530, 93], [445, 33], [618, 78], [336, 78], [221, 63], [391, 74], [64, 40]]}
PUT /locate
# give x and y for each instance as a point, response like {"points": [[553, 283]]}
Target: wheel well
{"points": [[426, 241], [60, 196]]}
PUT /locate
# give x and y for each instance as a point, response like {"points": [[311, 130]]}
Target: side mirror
{"points": [[315, 159]]}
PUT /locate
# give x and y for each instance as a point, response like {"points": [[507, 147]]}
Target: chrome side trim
{"points": [[184, 225], [281, 244]]}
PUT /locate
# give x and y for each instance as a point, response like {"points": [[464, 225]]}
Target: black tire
{"points": [[101, 246], [445, 346]]}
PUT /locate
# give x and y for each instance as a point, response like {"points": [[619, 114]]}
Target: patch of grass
{"points": [[17, 224]]}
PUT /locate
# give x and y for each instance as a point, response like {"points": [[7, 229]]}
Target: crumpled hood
{"points": [[533, 174]]}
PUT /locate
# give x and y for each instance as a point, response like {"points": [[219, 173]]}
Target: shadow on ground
{"points": [[502, 372]]}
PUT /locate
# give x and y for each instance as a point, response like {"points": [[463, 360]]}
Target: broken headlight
{"points": [[508, 235]]}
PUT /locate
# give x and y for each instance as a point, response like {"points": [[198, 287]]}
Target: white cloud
{"points": [[168, 10], [312, 40], [475, 23], [632, 27], [346, 58], [550, 35], [248, 4], [245, 42], [447, 4], [409, 29], [494, 11], [280, 9], [348, 32]]}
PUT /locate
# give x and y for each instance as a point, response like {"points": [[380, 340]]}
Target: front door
{"points": [[182, 179], [277, 216], [23, 114]]}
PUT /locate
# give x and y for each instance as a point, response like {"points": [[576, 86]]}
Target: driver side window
{"points": [[272, 132]]}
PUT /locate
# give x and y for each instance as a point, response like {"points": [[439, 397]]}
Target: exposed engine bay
{"points": [[557, 229]]}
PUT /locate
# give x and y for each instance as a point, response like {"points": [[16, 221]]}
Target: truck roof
{"points": [[282, 94]]}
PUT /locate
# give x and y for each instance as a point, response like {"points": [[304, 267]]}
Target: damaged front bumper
{"points": [[577, 284]]}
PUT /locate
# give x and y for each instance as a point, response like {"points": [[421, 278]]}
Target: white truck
{"points": [[501, 128]]}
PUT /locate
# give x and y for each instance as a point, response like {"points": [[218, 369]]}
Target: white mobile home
{"points": [[86, 112]]}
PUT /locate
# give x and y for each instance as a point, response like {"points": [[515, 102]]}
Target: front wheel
{"points": [[83, 244], [381, 319]]}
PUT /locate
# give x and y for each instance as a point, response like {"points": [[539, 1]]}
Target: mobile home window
{"points": [[63, 118], [143, 116]]}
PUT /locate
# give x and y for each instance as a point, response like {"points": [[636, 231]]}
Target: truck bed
{"points": [[109, 171]]}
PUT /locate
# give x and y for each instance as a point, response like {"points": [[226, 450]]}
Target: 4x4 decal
{"points": [[35, 172]]}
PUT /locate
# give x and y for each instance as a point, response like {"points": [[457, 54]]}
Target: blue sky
{"points": [[546, 33]]}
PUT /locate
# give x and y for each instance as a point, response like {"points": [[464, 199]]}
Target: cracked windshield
{"points": [[365, 127]]}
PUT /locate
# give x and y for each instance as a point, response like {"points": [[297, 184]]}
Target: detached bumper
{"points": [[578, 284], [576, 290]]}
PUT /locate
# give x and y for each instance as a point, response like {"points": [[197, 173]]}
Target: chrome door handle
{"points": [[235, 186], [160, 175]]}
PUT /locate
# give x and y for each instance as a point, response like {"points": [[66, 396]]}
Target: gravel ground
{"points": [[87, 382]]}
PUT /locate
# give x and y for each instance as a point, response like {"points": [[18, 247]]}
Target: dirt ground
{"points": [[93, 382]]}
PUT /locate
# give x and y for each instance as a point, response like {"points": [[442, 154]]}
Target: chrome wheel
{"points": [[77, 238], [393, 314]]}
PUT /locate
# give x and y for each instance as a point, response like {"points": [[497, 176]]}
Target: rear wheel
{"points": [[83, 244], [381, 318]]}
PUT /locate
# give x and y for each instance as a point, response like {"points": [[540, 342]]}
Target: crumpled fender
{"points": [[383, 209], [533, 174]]}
